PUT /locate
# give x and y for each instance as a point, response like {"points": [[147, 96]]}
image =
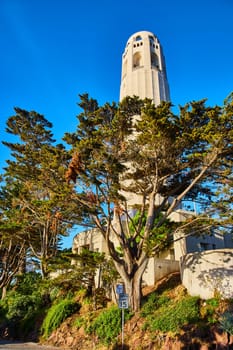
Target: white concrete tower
{"points": [[143, 69]]}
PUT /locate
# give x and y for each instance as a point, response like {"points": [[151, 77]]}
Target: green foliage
{"points": [[213, 302], [179, 157], [24, 311], [208, 310], [80, 275], [153, 303], [57, 314], [27, 283], [107, 325], [17, 306], [226, 322], [38, 194], [79, 322], [172, 315], [24, 299]]}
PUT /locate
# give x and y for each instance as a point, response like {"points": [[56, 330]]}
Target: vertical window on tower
{"points": [[151, 38], [137, 60], [154, 60]]}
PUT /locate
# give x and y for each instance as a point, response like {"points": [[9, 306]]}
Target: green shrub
{"points": [[31, 323], [17, 306], [27, 283], [57, 314], [107, 325], [213, 302], [170, 318], [226, 322], [153, 302], [208, 310]]}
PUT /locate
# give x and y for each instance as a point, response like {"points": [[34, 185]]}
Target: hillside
{"points": [[194, 324]]}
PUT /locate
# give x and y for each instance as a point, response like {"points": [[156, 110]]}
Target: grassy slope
{"points": [[168, 315]]}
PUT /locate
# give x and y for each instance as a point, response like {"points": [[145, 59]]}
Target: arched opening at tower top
{"points": [[138, 38], [137, 60]]}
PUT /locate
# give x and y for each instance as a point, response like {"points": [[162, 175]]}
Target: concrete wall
{"points": [[90, 239], [157, 269], [209, 272]]}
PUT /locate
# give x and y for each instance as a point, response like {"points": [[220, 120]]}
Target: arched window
{"points": [[137, 60], [138, 38], [154, 60]]}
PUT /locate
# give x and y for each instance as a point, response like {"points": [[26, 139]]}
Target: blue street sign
{"points": [[123, 301], [120, 288]]}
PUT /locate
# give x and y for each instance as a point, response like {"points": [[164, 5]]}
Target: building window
{"points": [[137, 60], [203, 246], [138, 38], [154, 60]]}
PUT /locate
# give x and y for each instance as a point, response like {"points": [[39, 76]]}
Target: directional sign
{"points": [[123, 301], [120, 288]]}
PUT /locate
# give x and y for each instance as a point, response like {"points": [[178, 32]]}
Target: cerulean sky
{"points": [[53, 50]]}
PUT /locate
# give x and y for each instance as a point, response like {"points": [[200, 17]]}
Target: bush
{"points": [[27, 283], [57, 314], [107, 325], [17, 306], [173, 317], [153, 302], [208, 310], [226, 322]]}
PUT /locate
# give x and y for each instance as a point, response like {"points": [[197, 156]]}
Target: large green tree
{"points": [[12, 241], [41, 195], [135, 148]]}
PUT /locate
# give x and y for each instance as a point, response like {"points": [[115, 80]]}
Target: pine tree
{"points": [[38, 167], [148, 152]]}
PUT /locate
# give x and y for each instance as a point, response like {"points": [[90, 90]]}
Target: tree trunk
{"points": [[132, 284], [133, 289], [44, 268], [4, 291]]}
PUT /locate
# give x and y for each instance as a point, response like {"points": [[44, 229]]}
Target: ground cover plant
{"points": [[57, 314], [107, 325]]}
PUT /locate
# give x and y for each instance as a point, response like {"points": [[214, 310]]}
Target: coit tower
{"points": [[143, 69]]}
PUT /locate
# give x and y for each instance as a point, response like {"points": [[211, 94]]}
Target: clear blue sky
{"points": [[52, 50]]}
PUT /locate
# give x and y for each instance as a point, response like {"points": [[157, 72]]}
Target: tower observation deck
{"points": [[143, 69]]}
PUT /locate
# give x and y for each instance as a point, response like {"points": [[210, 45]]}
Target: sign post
{"points": [[123, 303]]}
